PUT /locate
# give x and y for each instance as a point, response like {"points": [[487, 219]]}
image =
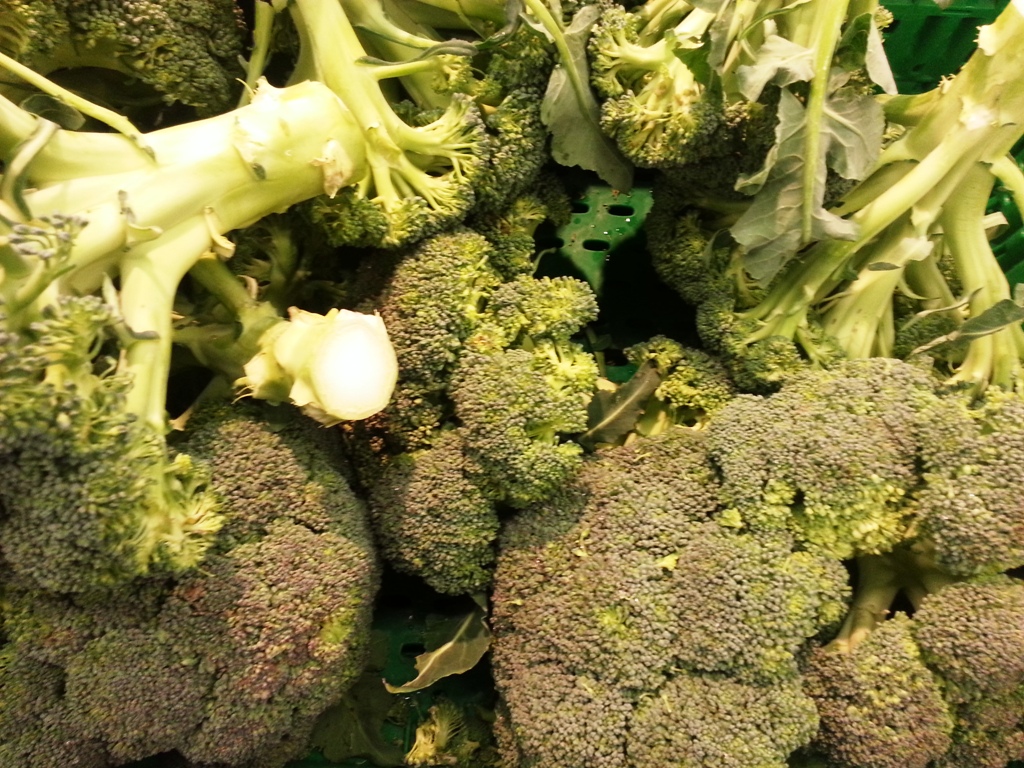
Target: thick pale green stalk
{"points": [[994, 359], [878, 583], [150, 275], [287, 146]]}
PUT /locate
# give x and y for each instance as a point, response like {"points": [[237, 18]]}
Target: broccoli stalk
{"points": [[158, 212], [927, 193], [419, 176]]}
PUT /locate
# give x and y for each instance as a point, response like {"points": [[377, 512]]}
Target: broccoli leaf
{"points": [[780, 61], [458, 645], [771, 229], [572, 115], [614, 413], [861, 46], [352, 728]]}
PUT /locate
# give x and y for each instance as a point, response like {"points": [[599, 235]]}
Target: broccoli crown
{"points": [[880, 706], [280, 467], [432, 520], [971, 634], [969, 507], [622, 588], [233, 661], [73, 517], [830, 458], [285, 622], [187, 51]]}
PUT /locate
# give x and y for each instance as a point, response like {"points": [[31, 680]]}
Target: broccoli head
{"points": [[231, 662], [831, 457], [182, 51], [621, 593]]}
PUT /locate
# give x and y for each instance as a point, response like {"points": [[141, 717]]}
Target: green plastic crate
{"points": [[926, 43]]}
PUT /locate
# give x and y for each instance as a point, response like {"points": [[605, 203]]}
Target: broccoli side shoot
{"points": [[183, 51], [657, 108], [522, 387]]}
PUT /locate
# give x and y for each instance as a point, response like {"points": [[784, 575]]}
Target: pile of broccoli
{"points": [[286, 330]]}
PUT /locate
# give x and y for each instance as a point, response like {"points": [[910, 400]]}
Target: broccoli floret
{"points": [[971, 634], [716, 720], [431, 518], [184, 51], [761, 600], [518, 408], [526, 311], [880, 706], [511, 229], [689, 259], [694, 385], [90, 496], [34, 720], [831, 457], [557, 718], [660, 112], [432, 301], [140, 691], [632, 602], [613, 531], [969, 505]]}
